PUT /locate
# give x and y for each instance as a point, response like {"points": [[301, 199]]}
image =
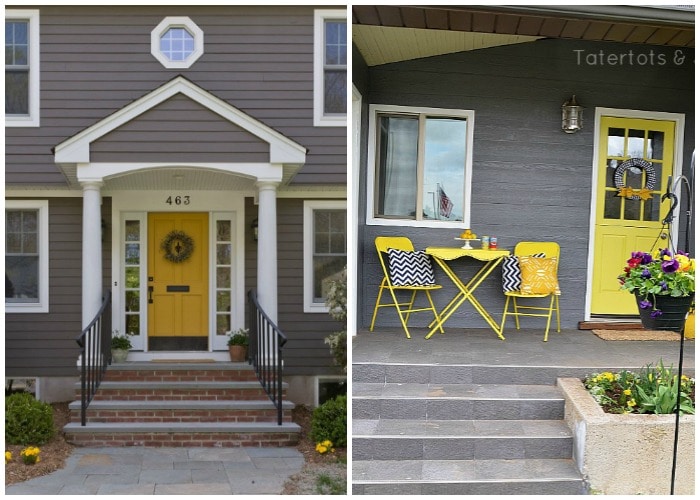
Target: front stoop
{"points": [[181, 405], [434, 435]]}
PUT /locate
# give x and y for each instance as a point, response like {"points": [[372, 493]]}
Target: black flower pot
{"points": [[673, 312]]}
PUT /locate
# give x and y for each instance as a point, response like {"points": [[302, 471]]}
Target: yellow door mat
{"points": [[637, 335]]}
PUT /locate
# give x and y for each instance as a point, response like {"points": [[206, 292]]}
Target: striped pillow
{"points": [[408, 268]]}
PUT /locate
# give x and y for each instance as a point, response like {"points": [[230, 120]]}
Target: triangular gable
{"points": [[282, 149]]}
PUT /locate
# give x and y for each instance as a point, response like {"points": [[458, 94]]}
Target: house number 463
{"points": [[178, 200]]}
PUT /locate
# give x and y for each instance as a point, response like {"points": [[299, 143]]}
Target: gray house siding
{"points": [[530, 180], [305, 352], [179, 130], [96, 60], [38, 345]]}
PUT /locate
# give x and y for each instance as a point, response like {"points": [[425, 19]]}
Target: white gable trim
{"points": [[77, 148]]}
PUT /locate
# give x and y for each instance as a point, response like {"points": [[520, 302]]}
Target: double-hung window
{"points": [[330, 68], [21, 68], [325, 250], [26, 256], [419, 166]]}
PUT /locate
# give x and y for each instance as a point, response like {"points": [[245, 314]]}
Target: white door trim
{"points": [[679, 120], [216, 204]]}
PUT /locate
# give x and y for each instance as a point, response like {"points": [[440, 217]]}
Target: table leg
{"points": [[466, 292]]}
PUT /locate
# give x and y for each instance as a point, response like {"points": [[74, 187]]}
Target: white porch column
{"points": [[92, 250], [267, 247]]}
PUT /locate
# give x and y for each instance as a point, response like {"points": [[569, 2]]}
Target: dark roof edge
{"points": [[653, 14]]}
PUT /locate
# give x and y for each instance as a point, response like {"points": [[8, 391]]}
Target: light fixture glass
{"points": [[571, 116]]}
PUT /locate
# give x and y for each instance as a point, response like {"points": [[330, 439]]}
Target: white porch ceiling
{"points": [[390, 33]]}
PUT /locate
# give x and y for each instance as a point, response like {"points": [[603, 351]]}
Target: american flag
{"points": [[445, 203]]}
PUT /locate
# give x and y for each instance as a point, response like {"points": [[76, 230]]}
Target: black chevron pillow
{"points": [[410, 268], [512, 278]]}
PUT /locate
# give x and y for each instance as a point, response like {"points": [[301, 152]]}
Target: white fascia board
{"points": [[100, 171], [77, 148]]}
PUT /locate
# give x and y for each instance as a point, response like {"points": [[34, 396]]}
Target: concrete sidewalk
{"points": [[168, 471]]}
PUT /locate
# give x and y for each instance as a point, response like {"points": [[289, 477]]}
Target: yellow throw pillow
{"points": [[539, 275]]}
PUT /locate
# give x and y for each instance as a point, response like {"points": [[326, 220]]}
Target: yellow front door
{"points": [[635, 161], [178, 279]]}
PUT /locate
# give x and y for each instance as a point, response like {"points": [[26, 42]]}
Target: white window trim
{"points": [[374, 109], [43, 244], [320, 118], [309, 206], [33, 119], [177, 22]]}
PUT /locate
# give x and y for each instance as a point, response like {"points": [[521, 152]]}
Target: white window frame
{"points": [[309, 207], [177, 22], [43, 245], [33, 118], [321, 119], [374, 110]]}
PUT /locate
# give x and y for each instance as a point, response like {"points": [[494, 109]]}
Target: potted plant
{"points": [[120, 347], [238, 345], [664, 285]]}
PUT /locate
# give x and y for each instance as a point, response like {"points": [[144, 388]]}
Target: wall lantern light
{"points": [[571, 116], [254, 228]]}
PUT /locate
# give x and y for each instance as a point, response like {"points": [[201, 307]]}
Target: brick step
{"points": [[183, 434], [460, 439], [433, 401], [466, 477], [179, 372], [194, 391], [181, 411]]}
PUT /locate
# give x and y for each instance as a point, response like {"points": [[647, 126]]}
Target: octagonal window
{"points": [[177, 42]]}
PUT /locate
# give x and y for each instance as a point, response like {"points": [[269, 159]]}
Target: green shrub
{"points": [[27, 421], [329, 421]]}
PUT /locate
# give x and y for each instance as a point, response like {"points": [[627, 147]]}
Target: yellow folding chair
{"points": [[404, 309], [539, 280]]}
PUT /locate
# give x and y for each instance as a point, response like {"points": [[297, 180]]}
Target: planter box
{"points": [[628, 454]]}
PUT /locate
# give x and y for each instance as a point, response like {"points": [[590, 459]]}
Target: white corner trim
{"points": [[77, 148]]}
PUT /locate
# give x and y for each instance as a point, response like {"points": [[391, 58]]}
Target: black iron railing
{"points": [[265, 352], [95, 355]]}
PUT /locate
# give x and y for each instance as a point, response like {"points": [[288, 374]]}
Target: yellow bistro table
{"points": [[491, 260]]}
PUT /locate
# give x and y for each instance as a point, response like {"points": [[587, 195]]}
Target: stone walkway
{"points": [[168, 471]]}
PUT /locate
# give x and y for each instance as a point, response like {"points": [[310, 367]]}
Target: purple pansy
{"points": [[656, 313], [670, 266], [644, 304], [646, 274]]}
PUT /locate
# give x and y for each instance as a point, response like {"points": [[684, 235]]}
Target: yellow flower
{"points": [[30, 455], [684, 262], [627, 392], [631, 403], [8, 456], [325, 446]]}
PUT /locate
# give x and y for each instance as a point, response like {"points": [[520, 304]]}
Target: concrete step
{"points": [[440, 401], [466, 477], [431, 373], [460, 439], [181, 411], [183, 434]]}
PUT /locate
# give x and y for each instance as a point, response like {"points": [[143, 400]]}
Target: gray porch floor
{"points": [[568, 349]]}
